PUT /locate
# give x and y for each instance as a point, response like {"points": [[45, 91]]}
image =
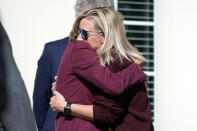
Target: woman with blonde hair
{"points": [[98, 43]]}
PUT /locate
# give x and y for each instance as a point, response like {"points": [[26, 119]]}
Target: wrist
{"points": [[63, 106]]}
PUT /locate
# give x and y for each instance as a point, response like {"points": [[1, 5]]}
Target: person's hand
{"points": [[54, 84], [57, 102]]}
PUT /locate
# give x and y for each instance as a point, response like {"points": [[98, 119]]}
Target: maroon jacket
{"points": [[78, 69], [129, 111]]}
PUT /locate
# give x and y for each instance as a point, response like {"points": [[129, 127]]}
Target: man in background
{"points": [[48, 65], [15, 108]]}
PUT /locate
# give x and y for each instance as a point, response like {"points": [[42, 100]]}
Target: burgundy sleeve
{"points": [[86, 64], [140, 109], [106, 111]]}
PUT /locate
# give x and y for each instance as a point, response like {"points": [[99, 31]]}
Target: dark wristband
{"points": [[67, 108]]}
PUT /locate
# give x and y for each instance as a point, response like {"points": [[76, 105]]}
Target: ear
{"points": [[102, 38]]}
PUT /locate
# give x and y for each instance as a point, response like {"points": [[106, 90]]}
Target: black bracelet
{"points": [[67, 108]]}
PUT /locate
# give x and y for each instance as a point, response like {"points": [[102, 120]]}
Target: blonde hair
{"points": [[109, 23]]}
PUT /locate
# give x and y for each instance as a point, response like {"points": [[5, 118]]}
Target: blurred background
{"points": [[164, 31]]}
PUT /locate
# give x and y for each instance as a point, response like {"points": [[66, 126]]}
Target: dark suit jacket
{"points": [[48, 65], [15, 108]]}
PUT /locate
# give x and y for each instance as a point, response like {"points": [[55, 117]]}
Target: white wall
{"points": [[176, 65], [32, 23]]}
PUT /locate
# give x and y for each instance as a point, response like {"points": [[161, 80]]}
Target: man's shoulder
{"points": [[55, 47], [61, 43]]}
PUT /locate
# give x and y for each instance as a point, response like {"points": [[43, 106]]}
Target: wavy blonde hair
{"points": [[109, 23]]}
